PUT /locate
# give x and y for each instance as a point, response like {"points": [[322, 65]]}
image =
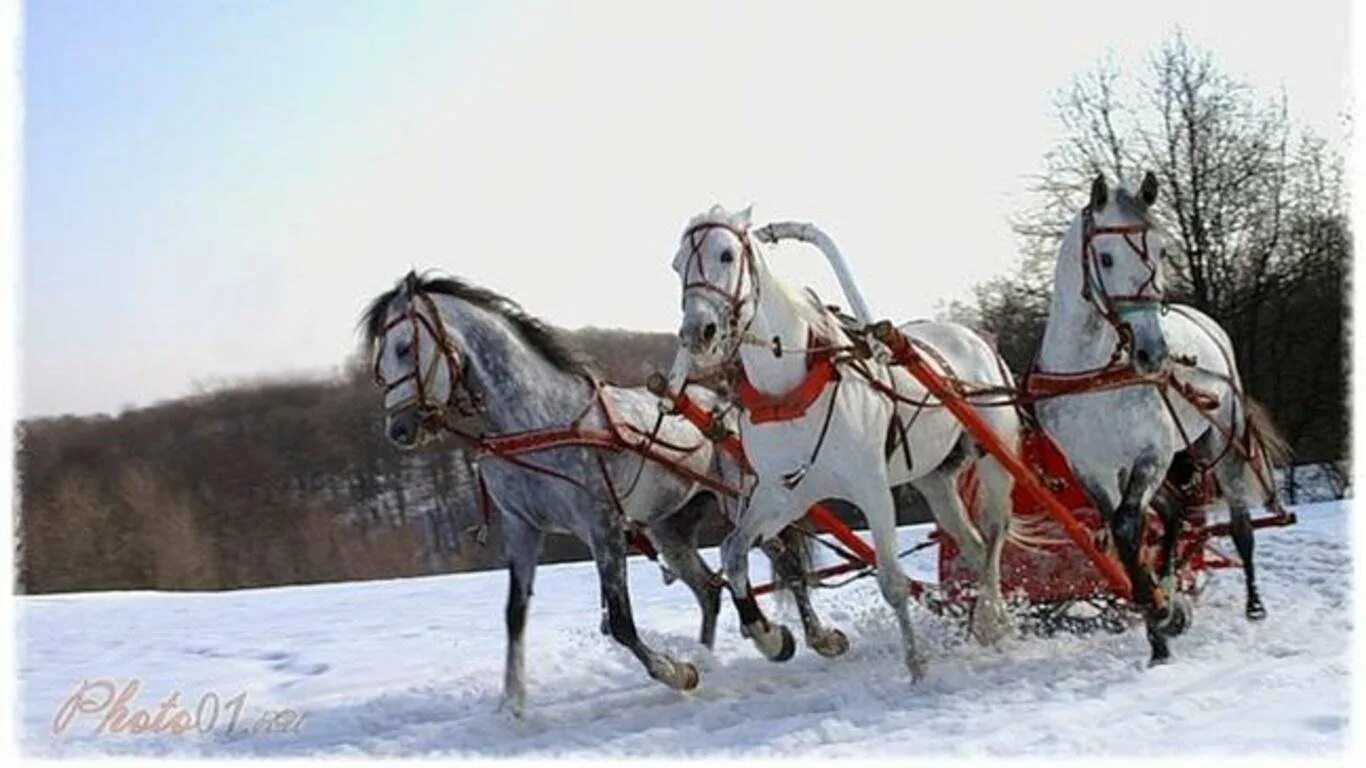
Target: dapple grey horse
{"points": [[455, 358]]}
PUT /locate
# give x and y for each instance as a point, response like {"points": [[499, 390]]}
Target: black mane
{"points": [[548, 341]]}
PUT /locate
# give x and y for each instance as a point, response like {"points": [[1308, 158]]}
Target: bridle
{"points": [[1115, 307], [735, 299], [460, 403]]}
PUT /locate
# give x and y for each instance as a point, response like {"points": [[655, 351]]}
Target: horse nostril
{"points": [[400, 432], [1144, 357], [709, 332]]}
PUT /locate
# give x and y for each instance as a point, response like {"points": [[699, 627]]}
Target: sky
{"points": [[212, 191]]}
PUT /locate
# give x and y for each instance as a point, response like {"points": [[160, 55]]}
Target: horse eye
{"points": [[1105, 260], [403, 349], [727, 257]]}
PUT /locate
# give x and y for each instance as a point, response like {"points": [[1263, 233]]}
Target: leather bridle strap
{"points": [[735, 298], [422, 376], [1113, 307]]}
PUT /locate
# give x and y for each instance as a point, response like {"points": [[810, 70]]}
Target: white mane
{"points": [[719, 215]]}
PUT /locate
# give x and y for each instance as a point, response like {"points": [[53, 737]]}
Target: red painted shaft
{"points": [[907, 356], [831, 524]]}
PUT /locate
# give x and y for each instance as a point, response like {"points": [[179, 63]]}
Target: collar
{"points": [[793, 404]]}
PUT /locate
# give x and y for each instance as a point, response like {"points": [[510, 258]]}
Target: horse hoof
{"points": [[1255, 610], [513, 704], [789, 648], [1159, 661], [774, 641], [685, 676], [1178, 618], [830, 643], [990, 622], [916, 667]]}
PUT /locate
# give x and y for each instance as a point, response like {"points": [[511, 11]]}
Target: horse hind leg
{"points": [[1233, 472], [522, 544], [676, 537], [609, 552], [880, 512], [990, 618], [790, 553], [940, 489]]}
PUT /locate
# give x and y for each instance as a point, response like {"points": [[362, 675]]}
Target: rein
{"points": [[455, 416], [513, 447]]}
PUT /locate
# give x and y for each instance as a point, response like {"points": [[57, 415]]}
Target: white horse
{"points": [[1150, 379], [825, 422]]}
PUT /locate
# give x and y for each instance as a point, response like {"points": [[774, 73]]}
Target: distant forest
{"points": [[259, 484]]}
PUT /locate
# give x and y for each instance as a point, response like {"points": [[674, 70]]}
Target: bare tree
{"points": [[1254, 209]]}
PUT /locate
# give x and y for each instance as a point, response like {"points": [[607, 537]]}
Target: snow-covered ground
{"points": [[414, 667]]}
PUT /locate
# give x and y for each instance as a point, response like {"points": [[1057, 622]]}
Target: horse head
{"points": [[416, 363], [1120, 264], [716, 262]]}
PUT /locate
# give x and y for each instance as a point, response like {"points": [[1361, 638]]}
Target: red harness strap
{"points": [[793, 404], [511, 447], [1039, 385]]}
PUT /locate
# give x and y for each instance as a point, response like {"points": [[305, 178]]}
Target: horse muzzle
{"points": [[1151, 356], [404, 428], [701, 335]]}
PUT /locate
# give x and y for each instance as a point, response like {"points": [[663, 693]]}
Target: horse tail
{"points": [[1029, 532], [1261, 433], [1262, 428], [1034, 533]]}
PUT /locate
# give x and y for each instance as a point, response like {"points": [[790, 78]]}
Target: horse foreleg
{"points": [[1127, 525], [609, 552], [790, 555], [1169, 511], [774, 641], [1176, 618], [522, 544]]}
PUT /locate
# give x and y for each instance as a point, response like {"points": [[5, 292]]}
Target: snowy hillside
{"points": [[414, 667]]}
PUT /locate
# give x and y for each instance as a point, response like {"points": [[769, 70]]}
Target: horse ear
{"points": [[1100, 193], [410, 281], [742, 218], [1147, 191]]}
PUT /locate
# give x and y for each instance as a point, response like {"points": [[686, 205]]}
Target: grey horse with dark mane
{"points": [[561, 452]]}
